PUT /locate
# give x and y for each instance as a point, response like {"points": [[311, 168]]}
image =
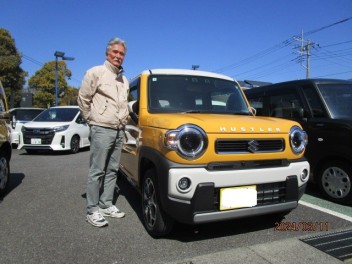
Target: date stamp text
{"points": [[302, 226]]}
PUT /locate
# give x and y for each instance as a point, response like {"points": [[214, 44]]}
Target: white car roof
{"points": [[66, 106], [187, 72]]}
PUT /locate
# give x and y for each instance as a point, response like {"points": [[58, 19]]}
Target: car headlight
{"points": [[60, 128], [189, 141], [298, 140]]}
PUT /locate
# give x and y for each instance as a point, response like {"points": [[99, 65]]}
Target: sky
{"points": [[256, 40]]}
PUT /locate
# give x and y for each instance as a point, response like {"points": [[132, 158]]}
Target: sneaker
{"points": [[96, 219], [112, 211]]}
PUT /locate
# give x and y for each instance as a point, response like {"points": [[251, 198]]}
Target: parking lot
{"points": [[43, 221]]}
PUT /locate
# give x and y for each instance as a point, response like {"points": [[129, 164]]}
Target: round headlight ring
{"points": [[191, 141], [298, 140]]}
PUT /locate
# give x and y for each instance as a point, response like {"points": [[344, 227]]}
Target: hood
{"points": [[45, 124], [216, 123]]}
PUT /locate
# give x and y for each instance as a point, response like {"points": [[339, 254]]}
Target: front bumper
{"points": [[278, 190], [59, 141]]}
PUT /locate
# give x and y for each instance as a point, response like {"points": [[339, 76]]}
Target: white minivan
{"points": [[18, 117], [60, 128]]}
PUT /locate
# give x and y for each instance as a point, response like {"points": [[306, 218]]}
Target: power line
{"points": [[41, 64], [340, 43], [328, 26], [32, 60], [277, 47], [321, 76]]}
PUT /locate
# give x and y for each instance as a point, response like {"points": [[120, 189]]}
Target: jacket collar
{"points": [[113, 68]]}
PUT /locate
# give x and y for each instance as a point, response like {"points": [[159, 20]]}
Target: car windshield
{"points": [[194, 94], [26, 114], [57, 115], [338, 98]]}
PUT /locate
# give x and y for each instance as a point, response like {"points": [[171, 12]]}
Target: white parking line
{"points": [[328, 211]]}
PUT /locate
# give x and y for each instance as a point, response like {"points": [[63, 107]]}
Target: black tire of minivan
{"points": [[335, 181], [74, 144], [155, 220]]}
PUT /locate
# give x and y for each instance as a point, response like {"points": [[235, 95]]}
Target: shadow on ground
{"points": [[14, 181]]}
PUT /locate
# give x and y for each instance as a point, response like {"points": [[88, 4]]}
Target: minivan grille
{"points": [[45, 134], [228, 146]]}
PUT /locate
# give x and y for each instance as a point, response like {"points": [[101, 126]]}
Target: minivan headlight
{"points": [[60, 128], [298, 140], [189, 141]]}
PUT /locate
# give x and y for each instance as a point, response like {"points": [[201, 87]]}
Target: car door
{"points": [[129, 153], [322, 131]]}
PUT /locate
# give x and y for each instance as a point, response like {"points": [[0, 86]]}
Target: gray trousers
{"points": [[105, 152]]}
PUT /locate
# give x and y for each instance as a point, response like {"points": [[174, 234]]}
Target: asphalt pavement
{"points": [[283, 251], [42, 221]]}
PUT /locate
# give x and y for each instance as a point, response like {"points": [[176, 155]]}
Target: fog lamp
{"points": [[62, 142], [184, 184], [304, 175]]}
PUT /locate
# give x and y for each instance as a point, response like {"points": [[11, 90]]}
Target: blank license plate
{"points": [[36, 141], [238, 197]]}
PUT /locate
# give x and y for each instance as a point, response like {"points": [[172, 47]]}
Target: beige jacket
{"points": [[102, 97]]}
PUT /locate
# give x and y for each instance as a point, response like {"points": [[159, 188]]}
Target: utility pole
{"points": [[195, 67], [304, 49]]}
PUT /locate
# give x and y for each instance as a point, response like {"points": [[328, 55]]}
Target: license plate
{"points": [[36, 141], [238, 197]]}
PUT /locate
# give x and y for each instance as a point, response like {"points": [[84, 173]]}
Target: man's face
{"points": [[116, 55]]}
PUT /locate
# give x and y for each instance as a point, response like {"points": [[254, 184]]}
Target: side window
{"points": [[286, 104], [134, 90], [134, 96], [314, 101]]}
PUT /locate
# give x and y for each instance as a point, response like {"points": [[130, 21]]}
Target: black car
{"points": [[324, 109]]}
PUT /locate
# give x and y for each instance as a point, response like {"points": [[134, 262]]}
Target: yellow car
{"points": [[197, 153], [5, 143]]}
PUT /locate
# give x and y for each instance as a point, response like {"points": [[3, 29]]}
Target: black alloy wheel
{"points": [[156, 222], [74, 145]]}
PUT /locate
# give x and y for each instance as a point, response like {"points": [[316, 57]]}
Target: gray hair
{"points": [[115, 41]]}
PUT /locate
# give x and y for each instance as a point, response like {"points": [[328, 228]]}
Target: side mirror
{"points": [[81, 120], [130, 106], [133, 109], [13, 122]]}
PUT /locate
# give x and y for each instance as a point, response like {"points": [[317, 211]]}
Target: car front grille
{"points": [[237, 146], [271, 193], [45, 134]]}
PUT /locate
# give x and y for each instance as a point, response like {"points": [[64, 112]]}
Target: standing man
{"points": [[102, 100]]}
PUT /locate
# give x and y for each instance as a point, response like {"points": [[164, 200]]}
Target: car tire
{"points": [[4, 173], [335, 181], [156, 222], [74, 144]]}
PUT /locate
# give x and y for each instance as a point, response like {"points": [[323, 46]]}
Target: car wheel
{"points": [[155, 220], [335, 182], [4, 173], [74, 145]]}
